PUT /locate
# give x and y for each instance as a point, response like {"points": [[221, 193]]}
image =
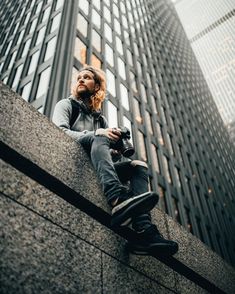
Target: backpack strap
{"points": [[75, 112]]}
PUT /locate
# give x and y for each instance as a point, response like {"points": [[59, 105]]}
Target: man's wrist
{"points": [[100, 132]]}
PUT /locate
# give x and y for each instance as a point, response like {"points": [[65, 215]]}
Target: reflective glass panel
{"points": [[112, 115], [43, 82]]}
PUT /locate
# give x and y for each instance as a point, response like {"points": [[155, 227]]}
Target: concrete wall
{"points": [[55, 231]]}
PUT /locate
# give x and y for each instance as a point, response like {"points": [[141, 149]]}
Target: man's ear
{"points": [[97, 87]]}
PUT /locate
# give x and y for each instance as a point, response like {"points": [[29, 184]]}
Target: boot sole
{"points": [[158, 249], [138, 207]]}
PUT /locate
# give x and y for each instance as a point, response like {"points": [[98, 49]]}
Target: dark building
{"points": [[155, 87]]}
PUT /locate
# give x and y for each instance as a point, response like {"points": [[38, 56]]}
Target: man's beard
{"points": [[85, 95]]}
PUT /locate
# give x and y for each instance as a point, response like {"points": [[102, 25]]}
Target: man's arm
{"points": [[61, 118]]}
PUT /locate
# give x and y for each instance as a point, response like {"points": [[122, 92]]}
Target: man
{"points": [[130, 205]]}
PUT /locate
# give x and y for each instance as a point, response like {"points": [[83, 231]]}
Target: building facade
{"points": [[155, 87], [210, 27]]}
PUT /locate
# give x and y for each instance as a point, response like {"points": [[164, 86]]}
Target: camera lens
{"points": [[127, 148]]}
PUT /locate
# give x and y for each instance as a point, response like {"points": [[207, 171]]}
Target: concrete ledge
{"points": [[53, 159], [39, 257], [40, 201]]}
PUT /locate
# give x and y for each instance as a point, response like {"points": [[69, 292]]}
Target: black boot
{"points": [[126, 209], [152, 242]]}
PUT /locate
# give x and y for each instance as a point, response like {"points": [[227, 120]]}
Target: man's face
{"points": [[86, 84]]}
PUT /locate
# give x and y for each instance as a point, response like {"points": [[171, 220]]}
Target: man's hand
{"points": [[112, 133], [116, 155]]}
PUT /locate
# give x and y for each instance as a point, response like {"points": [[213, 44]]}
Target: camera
{"points": [[123, 144]]}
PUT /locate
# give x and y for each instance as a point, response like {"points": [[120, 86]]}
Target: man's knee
{"points": [[86, 141], [139, 163], [101, 144]]}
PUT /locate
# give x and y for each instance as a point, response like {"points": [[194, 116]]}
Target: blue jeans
{"points": [[114, 177]]}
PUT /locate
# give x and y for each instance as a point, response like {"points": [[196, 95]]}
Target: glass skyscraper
{"points": [[210, 27], [155, 87]]}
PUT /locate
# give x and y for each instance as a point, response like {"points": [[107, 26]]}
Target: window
{"points": [[41, 109], [153, 104], [136, 50], [82, 25], [167, 169], [133, 81], [176, 211], [33, 62], [115, 10], [109, 54], [155, 158], [162, 200], [50, 48], [123, 8], [107, 14], [127, 37], [129, 57], [163, 116], [127, 124], [159, 134], [112, 115], [16, 28], [149, 123], [124, 21], [139, 69], [33, 25], [96, 40], [5, 80], [26, 91], [59, 4], [26, 48], [149, 80], [108, 33], [46, 14], [43, 82], [111, 83], [40, 35], [96, 20], [178, 180], [189, 223], [190, 194], [84, 6], [117, 26], [80, 50], [119, 45], [55, 22], [17, 75], [143, 93], [20, 37], [13, 55], [142, 147], [121, 69], [124, 96], [95, 61], [169, 139], [74, 77], [8, 47], [96, 3], [39, 6], [138, 116]]}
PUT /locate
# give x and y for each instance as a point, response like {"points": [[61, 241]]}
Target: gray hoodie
{"points": [[83, 124]]}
